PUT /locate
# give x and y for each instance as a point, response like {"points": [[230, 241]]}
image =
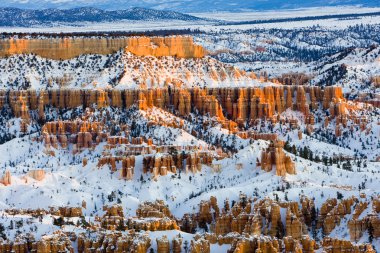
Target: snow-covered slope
{"points": [[120, 70], [351, 69]]}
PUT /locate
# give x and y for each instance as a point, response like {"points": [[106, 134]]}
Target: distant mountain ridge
{"points": [[186, 6], [26, 18]]}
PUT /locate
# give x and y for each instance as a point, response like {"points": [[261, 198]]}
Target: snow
{"points": [[213, 19], [68, 182], [270, 14]]}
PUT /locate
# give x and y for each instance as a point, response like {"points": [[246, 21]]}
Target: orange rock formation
{"points": [[274, 157], [67, 48]]}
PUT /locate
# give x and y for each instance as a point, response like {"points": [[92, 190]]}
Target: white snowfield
{"points": [[213, 20], [68, 182]]}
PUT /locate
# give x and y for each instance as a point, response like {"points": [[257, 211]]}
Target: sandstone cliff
{"points": [[66, 48]]}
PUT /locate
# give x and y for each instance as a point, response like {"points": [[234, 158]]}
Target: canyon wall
{"points": [[231, 107], [237, 104], [67, 48]]}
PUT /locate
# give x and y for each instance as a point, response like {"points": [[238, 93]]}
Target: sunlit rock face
{"points": [[274, 156], [238, 104], [182, 47], [67, 48], [64, 48], [231, 107], [114, 242], [6, 179], [38, 175]]}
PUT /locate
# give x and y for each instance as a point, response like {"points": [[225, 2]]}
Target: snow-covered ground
{"points": [[270, 14], [213, 22], [68, 182]]}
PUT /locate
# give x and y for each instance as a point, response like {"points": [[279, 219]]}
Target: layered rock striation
{"points": [[237, 104], [67, 48]]}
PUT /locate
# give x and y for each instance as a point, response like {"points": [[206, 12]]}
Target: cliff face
{"points": [[67, 48], [236, 104], [64, 48], [181, 47]]}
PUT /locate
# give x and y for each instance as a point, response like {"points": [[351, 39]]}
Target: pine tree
{"points": [[370, 232]]}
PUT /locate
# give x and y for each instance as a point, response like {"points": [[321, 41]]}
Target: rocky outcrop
{"points": [[66, 211], [188, 223], [115, 210], [156, 209], [237, 219], [200, 246], [38, 175], [18, 101], [64, 48], [177, 244], [370, 223], [207, 104], [332, 95], [160, 164], [332, 211], [254, 244], [54, 244], [257, 136], [3, 98], [163, 244], [7, 178], [208, 211], [249, 225], [331, 245], [114, 242], [275, 158], [246, 228], [113, 219], [21, 244], [127, 168], [157, 224], [295, 226], [82, 134]]}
